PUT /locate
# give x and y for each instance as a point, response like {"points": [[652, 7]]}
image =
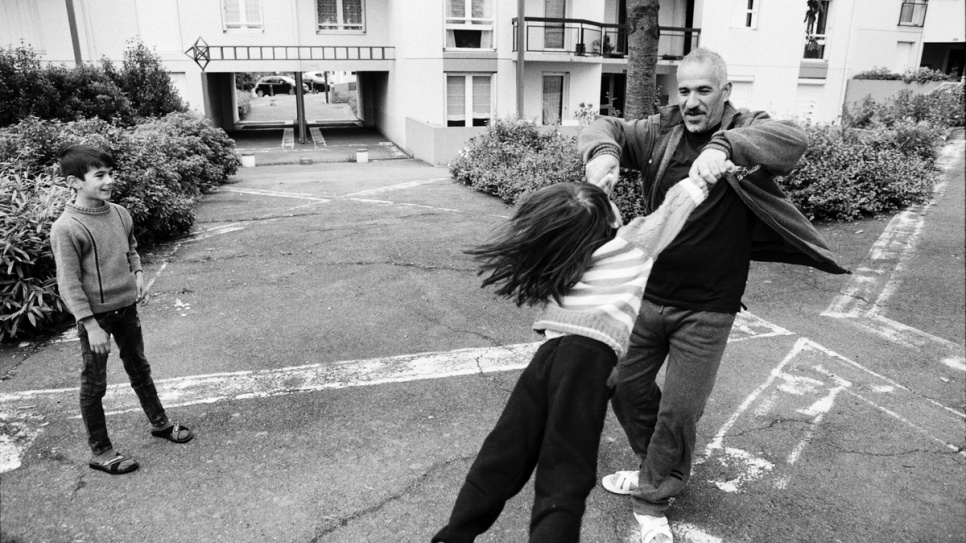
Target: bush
{"points": [[919, 75], [140, 88], [162, 166], [29, 302], [243, 99], [22, 83], [924, 75], [85, 92], [340, 97], [515, 158], [941, 108], [145, 82], [848, 174], [878, 73]]}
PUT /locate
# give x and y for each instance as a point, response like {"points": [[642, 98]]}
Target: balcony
{"points": [[581, 37]]}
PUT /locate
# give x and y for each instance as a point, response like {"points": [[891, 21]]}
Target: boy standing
{"points": [[100, 279]]}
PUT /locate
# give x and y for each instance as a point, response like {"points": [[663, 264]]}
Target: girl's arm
{"points": [[654, 232]]}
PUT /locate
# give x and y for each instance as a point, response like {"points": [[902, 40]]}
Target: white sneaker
{"points": [[622, 482], [654, 529]]}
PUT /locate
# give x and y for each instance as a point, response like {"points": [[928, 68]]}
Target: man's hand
{"points": [[710, 166], [99, 340], [604, 171]]}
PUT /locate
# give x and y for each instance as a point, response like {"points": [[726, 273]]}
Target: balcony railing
{"points": [[589, 38]]}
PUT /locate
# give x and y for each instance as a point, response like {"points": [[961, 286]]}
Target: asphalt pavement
{"points": [[326, 338]]}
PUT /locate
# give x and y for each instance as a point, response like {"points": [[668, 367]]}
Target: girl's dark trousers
{"points": [[552, 422]]}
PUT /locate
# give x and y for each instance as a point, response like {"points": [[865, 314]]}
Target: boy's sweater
{"points": [[604, 304], [96, 256]]}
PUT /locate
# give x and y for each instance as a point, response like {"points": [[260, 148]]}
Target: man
{"points": [[695, 288]]}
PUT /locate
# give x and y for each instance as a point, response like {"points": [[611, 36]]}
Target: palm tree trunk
{"points": [[642, 37]]}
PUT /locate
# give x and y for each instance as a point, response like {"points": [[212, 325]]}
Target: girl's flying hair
{"points": [[543, 250]]}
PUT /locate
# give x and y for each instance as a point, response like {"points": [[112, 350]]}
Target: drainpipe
{"points": [[521, 35], [72, 21]]}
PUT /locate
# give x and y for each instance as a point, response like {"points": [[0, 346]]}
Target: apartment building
{"points": [[432, 73]]}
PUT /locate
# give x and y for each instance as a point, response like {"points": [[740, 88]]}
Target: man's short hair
{"points": [[702, 55], [77, 160]]}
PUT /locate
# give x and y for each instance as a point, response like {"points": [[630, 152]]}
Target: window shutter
{"points": [[481, 97], [456, 98]]}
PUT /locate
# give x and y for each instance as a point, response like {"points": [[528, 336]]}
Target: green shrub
{"points": [[924, 75], [943, 108], [145, 82], [85, 92], [22, 83], [348, 97], [243, 99], [515, 158], [878, 73], [162, 166], [847, 174], [29, 301], [140, 88]]}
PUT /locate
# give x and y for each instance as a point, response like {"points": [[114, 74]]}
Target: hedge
{"points": [[162, 167], [139, 88], [847, 173]]}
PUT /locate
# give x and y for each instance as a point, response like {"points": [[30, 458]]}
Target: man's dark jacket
{"points": [[752, 140]]}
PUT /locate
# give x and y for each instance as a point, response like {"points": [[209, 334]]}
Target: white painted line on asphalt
{"points": [[398, 186], [212, 388], [278, 194], [871, 286], [802, 390], [317, 138], [689, 533], [288, 138], [404, 204]]}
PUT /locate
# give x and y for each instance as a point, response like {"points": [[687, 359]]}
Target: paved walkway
{"points": [[326, 337]]}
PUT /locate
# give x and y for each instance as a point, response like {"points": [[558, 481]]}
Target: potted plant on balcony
{"points": [[608, 47]]}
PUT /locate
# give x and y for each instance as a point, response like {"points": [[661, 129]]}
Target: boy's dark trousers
{"points": [[125, 326], [552, 421]]}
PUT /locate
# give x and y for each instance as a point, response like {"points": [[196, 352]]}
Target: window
{"points": [[469, 24], [912, 13], [344, 15], [553, 37], [242, 14], [816, 20], [469, 100], [746, 14], [553, 98]]}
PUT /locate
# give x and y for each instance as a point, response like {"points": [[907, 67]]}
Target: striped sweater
{"points": [[604, 304], [96, 256]]}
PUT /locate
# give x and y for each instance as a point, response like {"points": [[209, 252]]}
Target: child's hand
{"points": [[99, 340], [139, 280], [710, 166]]}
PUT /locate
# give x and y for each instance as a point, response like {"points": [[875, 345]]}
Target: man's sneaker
{"points": [[622, 482]]}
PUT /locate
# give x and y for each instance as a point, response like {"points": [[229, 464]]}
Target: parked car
{"points": [[277, 84], [315, 81]]}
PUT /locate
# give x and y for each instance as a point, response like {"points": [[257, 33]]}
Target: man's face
{"points": [[702, 97]]}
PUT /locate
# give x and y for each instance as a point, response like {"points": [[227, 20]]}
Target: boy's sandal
{"points": [[118, 465], [655, 529], [176, 433], [622, 482]]}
